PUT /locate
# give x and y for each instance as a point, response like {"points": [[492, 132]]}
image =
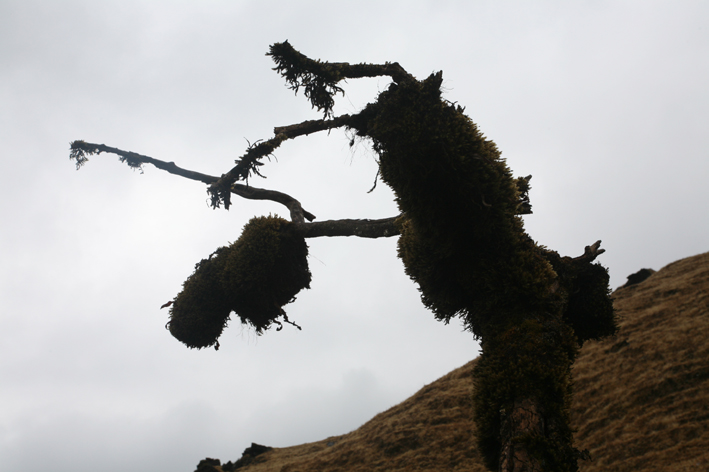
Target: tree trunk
{"points": [[522, 395], [524, 420]]}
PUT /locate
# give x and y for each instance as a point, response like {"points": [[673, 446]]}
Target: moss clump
{"points": [[200, 311], [254, 277], [265, 269], [462, 239], [588, 307]]}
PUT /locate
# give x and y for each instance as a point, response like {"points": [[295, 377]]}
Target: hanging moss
{"points": [[319, 79], [264, 271], [253, 277], [201, 310]]}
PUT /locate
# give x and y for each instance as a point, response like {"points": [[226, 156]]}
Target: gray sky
{"points": [[605, 103]]}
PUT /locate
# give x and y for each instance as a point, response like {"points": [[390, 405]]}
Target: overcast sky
{"points": [[605, 103]]}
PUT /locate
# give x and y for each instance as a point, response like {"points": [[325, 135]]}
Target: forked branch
{"points": [[319, 79], [80, 150], [590, 252], [249, 163]]}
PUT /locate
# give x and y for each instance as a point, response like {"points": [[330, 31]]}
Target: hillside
{"points": [[641, 401]]}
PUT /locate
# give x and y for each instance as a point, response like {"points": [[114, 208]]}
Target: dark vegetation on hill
{"points": [[641, 398]]}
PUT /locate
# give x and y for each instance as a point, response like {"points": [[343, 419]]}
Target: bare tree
{"points": [[461, 238]]}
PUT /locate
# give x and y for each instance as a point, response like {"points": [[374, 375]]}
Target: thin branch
{"points": [[362, 228], [297, 213], [382, 228], [312, 126], [320, 78], [250, 162], [80, 151]]}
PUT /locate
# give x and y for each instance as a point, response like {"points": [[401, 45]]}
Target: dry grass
{"points": [[641, 402]]}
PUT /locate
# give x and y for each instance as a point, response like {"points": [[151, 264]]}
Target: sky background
{"points": [[605, 103]]}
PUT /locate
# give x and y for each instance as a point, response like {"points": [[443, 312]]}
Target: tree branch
{"points": [[311, 126], [250, 161], [319, 79], [382, 228], [80, 150], [297, 213], [301, 71], [590, 253]]}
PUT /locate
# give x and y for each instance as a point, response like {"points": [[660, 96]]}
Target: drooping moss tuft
{"points": [[254, 277], [265, 270], [201, 310], [319, 79]]}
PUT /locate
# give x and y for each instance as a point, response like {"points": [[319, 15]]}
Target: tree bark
{"points": [[524, 420], [382, 228]]}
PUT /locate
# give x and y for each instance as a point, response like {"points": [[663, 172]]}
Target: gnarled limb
{"points": [[80, 150], [319, 79], [297, 213], [311, 126], [590, 252]]}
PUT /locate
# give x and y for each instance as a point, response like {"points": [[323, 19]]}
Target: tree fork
{"points": [[365, 228]]}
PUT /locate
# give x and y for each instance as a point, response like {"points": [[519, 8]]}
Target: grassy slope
{"points": [[641, 403]]}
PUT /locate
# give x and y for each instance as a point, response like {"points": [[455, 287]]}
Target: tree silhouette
{"points": [[461, 238]]}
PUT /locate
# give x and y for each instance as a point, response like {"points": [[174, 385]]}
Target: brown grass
{"points": [[641, 401]]}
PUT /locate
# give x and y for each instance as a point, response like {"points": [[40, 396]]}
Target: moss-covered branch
{"points": [[80, 150], [250, 162], [319, 79]]}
